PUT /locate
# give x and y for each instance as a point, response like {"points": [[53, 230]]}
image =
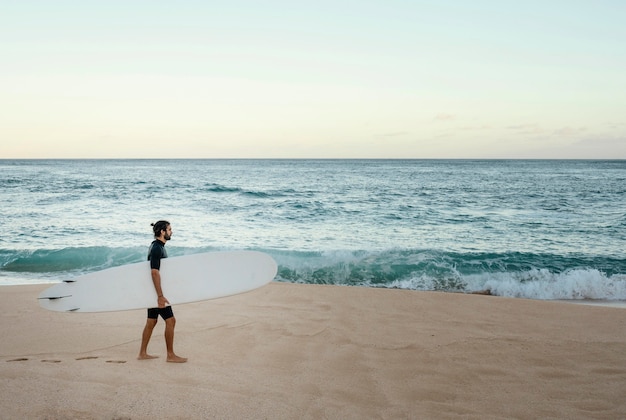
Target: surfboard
{"points": [[184, 279]]}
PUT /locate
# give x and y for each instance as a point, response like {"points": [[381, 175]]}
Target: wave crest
{"points": [[512, 274]]}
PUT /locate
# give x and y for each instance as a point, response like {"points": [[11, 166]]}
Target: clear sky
{"points": [[314, 79]]}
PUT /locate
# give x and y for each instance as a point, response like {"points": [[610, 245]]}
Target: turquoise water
{"points": [[525, 228]]}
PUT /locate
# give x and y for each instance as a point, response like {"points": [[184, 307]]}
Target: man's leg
{"points": [[170, 324], [145, 339]]}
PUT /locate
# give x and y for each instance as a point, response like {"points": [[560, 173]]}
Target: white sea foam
{"points": [[587, 284], [575, 284]]}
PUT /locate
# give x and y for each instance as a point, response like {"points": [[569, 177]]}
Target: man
{"points": [[162, 234]]}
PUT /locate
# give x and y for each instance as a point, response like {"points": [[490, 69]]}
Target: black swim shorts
{"points": [[166, 313]]}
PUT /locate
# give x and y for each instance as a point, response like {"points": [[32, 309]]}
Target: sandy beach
{"points": [[290, 351]]}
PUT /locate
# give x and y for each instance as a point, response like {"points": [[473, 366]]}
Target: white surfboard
{"points": [[184, 279]]}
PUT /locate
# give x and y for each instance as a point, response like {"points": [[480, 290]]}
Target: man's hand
{"points": [[161, 301]]}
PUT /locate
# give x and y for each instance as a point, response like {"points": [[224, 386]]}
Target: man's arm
{"points": [[156, 279]]}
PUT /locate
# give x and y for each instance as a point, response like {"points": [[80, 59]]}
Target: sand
{"points": [[290, 351]]}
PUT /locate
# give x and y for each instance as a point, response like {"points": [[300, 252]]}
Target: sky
{"points": [[324, 79]]}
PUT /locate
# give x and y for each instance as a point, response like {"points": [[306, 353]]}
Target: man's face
{"points": [[168, 233]]}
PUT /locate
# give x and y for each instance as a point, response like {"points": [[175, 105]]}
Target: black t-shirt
{"points": [[156, 253]]}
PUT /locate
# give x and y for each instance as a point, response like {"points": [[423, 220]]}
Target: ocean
{"points": [[538, 229]]}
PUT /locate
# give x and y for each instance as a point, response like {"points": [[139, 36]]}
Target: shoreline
{"points": [[313, 351], [609, 303]]}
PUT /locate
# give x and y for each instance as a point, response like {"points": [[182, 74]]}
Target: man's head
{"points": [[162, 229]]}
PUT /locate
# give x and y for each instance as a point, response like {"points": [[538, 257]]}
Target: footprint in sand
{"points": [[23, 359]]}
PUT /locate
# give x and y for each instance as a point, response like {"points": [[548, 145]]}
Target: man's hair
{"points": [[159, 226]]}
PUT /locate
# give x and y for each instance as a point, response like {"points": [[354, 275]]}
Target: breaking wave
{"points": [[513, 274]]}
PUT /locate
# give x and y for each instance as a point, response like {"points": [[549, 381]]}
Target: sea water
{"points": [[541, 229]]}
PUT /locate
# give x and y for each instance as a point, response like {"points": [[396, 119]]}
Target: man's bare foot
{"points": [[146, 357], [175, 359]]}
